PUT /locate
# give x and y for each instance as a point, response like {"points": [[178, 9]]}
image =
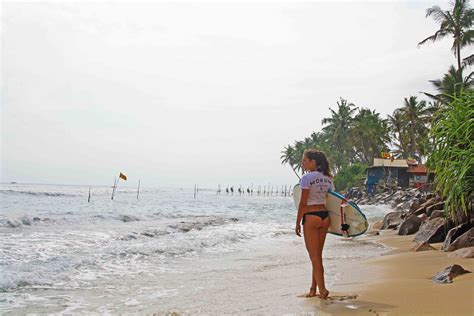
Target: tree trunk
{"points": [[458, 49]]}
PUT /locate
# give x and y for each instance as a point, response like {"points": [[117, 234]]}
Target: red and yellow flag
{"points": [[122, 176]]}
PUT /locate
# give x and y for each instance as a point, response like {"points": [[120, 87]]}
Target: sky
{"points": [[207, 93]]}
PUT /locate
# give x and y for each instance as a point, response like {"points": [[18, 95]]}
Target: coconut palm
{"points": [[456, 23], [369, 136], [451, 85], [398, 133], [289, 157], [417, 116], [337, 129]]}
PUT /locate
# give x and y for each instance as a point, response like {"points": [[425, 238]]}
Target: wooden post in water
{"points": [[113, 188], [89, 198], [138, 190], [195, 189]]}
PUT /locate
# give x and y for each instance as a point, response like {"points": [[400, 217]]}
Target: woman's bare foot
{"points": [[312, 292], [324, 294]]}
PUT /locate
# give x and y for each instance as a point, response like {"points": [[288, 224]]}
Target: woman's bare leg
{"points": [[314, 284], [322, 237], [315, 235]]}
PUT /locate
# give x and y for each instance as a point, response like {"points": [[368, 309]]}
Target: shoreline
{"points": [[399, 283]]}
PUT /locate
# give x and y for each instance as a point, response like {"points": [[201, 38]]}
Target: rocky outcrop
{"points": [[449, 273], [455, 233], [429, 204], [435, 207], [432, 231], [392, 220], [463, 241], [410, 225], [463, 253], [376, 226], [436, 213], [423, 247]]}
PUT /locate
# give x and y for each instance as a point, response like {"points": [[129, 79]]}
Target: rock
{"points": [[434, 207], [392, 220], [463, 253], [415, 205], [454, 233], [376, 226], [437, 213], [423, 246], [410, 225], [449, 273], [424, 206], [403, 206], [463, 241], [372, 233], [432, 231]]}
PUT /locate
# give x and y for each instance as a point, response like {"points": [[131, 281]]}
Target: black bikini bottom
{"points": [[321, 214]]}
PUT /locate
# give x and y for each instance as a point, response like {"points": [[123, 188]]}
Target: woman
{"points": [[312, 213]]}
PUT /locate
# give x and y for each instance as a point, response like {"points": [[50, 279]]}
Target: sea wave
{"points": [[37, 193], [23, 221]]}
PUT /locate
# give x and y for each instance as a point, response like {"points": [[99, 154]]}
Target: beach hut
{"points": [[417, 175], [387, 172]]}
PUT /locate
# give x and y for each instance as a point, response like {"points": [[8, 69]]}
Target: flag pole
{"points": [[115, 187]]}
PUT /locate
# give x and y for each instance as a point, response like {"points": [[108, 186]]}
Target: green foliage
{"points": [[350, 135], [350, 176], [452, 157], [455, 23]]}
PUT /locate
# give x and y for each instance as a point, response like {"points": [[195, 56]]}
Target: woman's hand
{"points": [[298, 229]]}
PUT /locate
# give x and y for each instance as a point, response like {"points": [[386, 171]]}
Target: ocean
{"points": [[162, 253]]}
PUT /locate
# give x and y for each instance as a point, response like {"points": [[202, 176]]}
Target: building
{"points": [[402, 173]]}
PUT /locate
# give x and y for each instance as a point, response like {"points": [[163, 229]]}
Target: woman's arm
{"points": [[301, 210]]}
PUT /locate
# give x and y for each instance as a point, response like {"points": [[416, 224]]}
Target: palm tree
{"points": [[337, 129], [456, 23], [396, 125], [451, 85], [417, 116], [289, 157], [369, 136]]}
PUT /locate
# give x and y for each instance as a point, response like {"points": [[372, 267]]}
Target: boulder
{"points": [[415, 204], [392, 220], [410, 225], [423, 246], [432, 231], [404, 206], [449, 273], [376, 226], [434, 207], [463, 241], [424, 206], [463, 253], [454, 233], [437, 213]]}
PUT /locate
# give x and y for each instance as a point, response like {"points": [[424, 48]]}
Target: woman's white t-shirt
{"points": [[318, 184]]}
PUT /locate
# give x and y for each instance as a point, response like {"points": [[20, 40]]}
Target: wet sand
{"points": [[399, 283]]}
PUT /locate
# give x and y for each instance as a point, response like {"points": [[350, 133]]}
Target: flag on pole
{"points": [[122, 176]]}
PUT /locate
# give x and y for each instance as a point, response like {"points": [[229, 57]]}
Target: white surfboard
{"points": [[353, 216]]}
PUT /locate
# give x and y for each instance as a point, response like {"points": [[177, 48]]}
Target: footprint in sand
{"points": [[334, 297]]}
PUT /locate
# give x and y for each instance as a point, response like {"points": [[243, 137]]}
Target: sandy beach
{"points": [[399, 283]]}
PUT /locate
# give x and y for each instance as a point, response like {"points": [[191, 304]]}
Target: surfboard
{"points": [[353, 216]]}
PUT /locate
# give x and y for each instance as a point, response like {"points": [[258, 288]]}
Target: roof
{"points": [[417, 169], [395, 163]]}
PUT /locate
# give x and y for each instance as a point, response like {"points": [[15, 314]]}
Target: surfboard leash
{"points": [[344, 226]]}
